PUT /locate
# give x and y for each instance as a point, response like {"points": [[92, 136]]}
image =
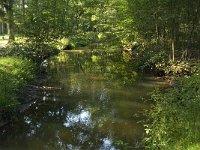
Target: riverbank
{"points": [[173, 120], [22, 69], [15, 73]]}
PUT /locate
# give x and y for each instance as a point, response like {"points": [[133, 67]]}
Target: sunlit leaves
{"points": [[14, 74], [174, 116]]}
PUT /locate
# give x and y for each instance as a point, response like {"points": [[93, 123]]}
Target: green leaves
{"points": [[14, 74], [85, 22], [164, 23], [174, 117]]}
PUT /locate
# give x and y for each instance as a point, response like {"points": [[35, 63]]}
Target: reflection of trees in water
{"points": [[79, 116], [57, 128], [111, 65], [51, 124]]}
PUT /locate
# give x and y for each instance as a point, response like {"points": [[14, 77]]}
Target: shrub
{"points": [[177, 68], [174, 118], [14, 74], [37, 52], [154, 59], [150, 58]]}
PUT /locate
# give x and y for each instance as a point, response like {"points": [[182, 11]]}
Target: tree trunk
{"points": [[9, 10], [172, 31], [23, 10], [173, 50]]}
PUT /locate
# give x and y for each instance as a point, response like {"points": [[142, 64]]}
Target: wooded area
{"points": [[158, 37], [168, 25]]}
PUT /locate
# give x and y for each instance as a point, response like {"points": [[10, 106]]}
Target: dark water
{"points": [[90, 101]]}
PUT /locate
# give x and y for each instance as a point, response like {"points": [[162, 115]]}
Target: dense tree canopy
{"points": [[83, 21], [171, 26]]}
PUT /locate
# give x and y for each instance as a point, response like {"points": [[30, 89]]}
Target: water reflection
{"points": [[107, 144], [83, 118], [85, 107], [111, 66]]}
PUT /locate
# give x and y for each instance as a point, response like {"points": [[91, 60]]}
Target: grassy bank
{"points": [[174, 119], [14, 74]]}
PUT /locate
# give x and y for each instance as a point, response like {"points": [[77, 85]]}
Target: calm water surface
{"points": [[90, 101]]}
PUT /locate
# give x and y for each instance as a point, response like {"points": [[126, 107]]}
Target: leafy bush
{"points": [[149, 58], [174, 118], [14, 74], [37, 52], [179, 68], [154, 59]]}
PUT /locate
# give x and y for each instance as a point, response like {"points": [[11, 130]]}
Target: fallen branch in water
{"points": [[46, 87]]}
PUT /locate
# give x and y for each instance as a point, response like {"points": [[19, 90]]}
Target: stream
{"points": [[90, 101]]}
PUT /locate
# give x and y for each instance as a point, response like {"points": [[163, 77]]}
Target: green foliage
{"points": [[172, 24], [83, 22], [150, 58], [14, 74], [37, 52], [174, 121], [41, 21], [179, 68], [154, 59]]}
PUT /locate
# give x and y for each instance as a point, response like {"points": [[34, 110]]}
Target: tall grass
{"points": [[14, 74], [174, 119]]}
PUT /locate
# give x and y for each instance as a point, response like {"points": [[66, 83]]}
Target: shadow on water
{"points": [[90, 102]]}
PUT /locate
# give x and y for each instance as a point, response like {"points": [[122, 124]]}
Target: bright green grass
{"points": [[14, 74]]}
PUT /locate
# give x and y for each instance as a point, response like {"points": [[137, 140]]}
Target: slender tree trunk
{"points": [[157, 31], [1, 29], [9, 10], [23, 10], [172, 31], [2, 17], [173, 50]]}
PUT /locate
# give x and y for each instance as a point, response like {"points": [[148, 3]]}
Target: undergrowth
{"points": [[174, 118], [14, 74]]}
